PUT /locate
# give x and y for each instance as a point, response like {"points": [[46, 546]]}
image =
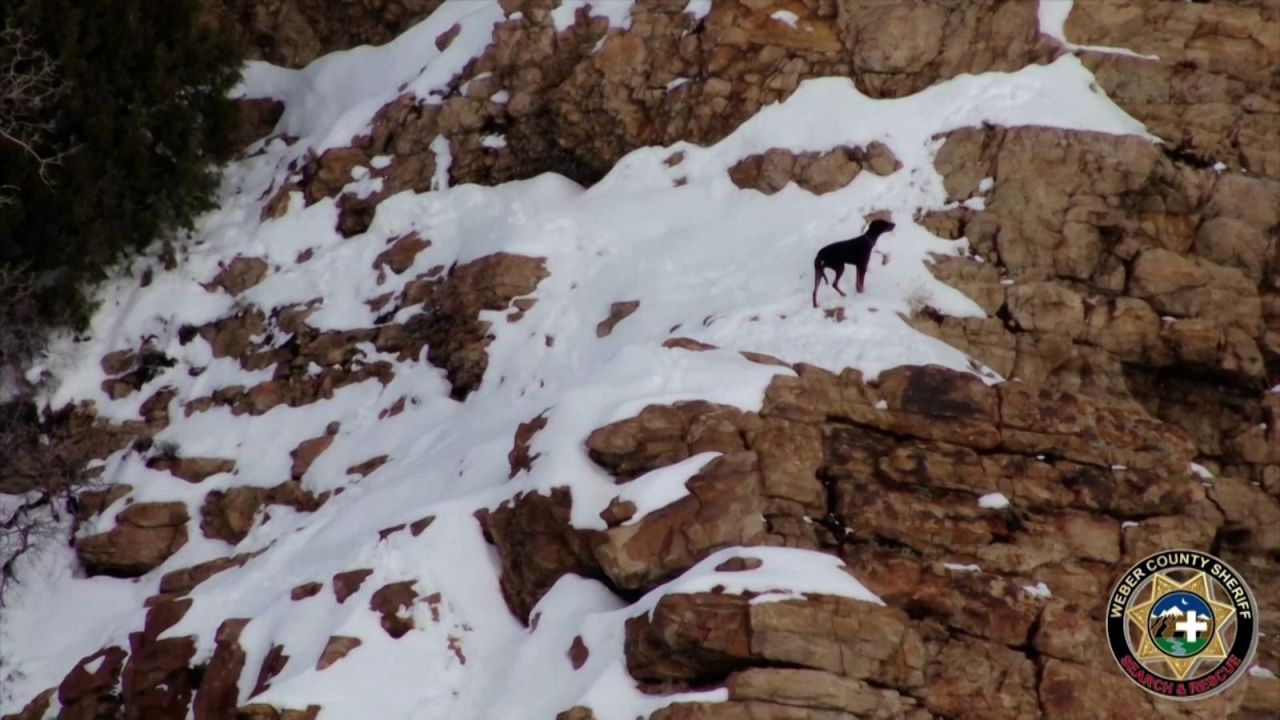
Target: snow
{"points": [[676, 83], [1199, 471], [444, 160], [659, 488], [617, 12], [1052, 16], [993, 501], [962, 568], [494, 142], [332, 100], [785, 17], [1260, 672], [698, 9], [635, 235], [94, 665], [576, 607], [1039, 590]]}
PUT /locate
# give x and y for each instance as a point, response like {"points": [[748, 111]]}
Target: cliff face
{"points": [[1115, 345]]}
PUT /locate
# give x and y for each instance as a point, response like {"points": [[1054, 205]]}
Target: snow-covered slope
{"points": [[705, 259]]}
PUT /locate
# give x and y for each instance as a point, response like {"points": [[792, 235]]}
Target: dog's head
{"points": [[880, 227]]}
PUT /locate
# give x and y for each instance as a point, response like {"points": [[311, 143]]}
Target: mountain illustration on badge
{"points": [[1182, 624]]}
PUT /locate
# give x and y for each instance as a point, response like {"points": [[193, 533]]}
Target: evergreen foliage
{"points": [[139, 122]]}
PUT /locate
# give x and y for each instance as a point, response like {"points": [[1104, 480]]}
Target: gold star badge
{"points": [[1215, 649]]}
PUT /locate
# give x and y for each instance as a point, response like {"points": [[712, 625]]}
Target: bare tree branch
{"points": [[29, 88]]}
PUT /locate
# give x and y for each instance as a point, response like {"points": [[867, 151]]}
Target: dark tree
{"points": [[136, 118]]}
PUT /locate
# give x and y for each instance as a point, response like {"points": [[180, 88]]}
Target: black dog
{"points": [[856, 251]]}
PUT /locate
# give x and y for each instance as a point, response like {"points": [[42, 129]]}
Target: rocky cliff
{"points": [[1117, 384]]}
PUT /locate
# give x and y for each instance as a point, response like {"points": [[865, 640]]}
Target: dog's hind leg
{"points": [[836, 283], [819, 276]]}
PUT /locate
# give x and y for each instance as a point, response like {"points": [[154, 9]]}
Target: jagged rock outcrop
{"points": [[819, 173], [292, 33], [1211, 94], [144, 536], [887, 475], [1123, 271]]}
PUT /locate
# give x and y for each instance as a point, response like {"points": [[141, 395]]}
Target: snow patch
{"points": [[1199, 471], [993, 501], [659, 488], [1052, 16], [698, 9], [1039, 590], [786, 17]]}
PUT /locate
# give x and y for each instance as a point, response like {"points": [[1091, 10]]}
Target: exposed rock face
{"points": [[887, 476], [292, 33], [230, 515], [145, 535], [819, 173], [1211, 94], [1127, 275], [575, 110]]}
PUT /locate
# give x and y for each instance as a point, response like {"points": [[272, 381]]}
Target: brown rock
{"points": [[118, 362], [816, 690], [578, 653], [157, 681], [308, 450], [145, 535], [453, 335], [1252, 516], [938, 404], [192, 469], [400, 256], [346, 584], [391, 601], [181, 582], [536, 546], [417, 527], [363, 469], [723, 509], [85, 694], [702, 637], [238, 275], [520, 459], [229, 515], [93, 502], [617, 313], [975, 679], [1046, 307], [272, 665], [335, 649], [684, 343], [263, 711], [305, 590], [219, 687]]}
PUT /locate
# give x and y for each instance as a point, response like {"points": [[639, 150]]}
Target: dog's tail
{"points": [[819, 275]]}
